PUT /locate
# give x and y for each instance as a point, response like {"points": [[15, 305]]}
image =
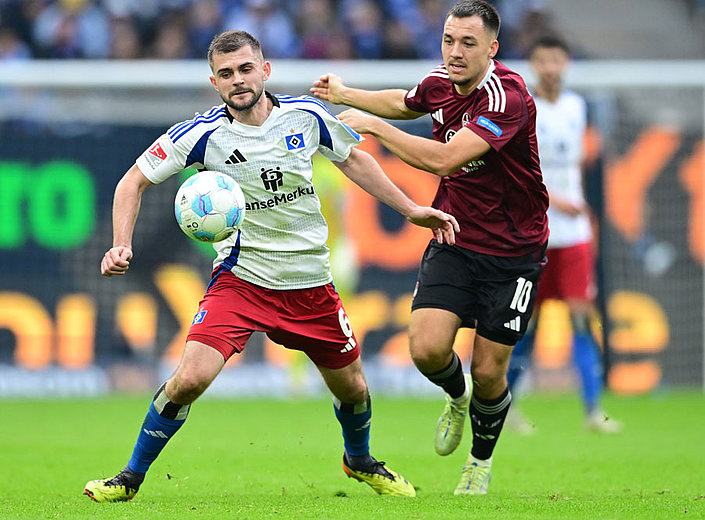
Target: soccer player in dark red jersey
{"points": [[485, 150]]}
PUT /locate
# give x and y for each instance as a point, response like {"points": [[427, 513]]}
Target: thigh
{"points": [[315, 322], [431, 337], [508, 295], [445, 282], [574, 272], [229, 312]]}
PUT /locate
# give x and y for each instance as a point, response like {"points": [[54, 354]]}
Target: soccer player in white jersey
{"points": [[560, 128], [273, 275]]}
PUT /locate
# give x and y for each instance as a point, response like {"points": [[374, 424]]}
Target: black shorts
{"points": [[494, 294]]}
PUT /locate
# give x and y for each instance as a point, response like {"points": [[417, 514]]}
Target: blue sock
{"points": [[521, 358], [355, 420], [163, 420], [587, 359]]}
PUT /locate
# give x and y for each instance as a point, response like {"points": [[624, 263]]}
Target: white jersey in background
{"points": [[282, 240], [560, 130]]}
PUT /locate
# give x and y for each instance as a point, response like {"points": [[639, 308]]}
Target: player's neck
{"points": [[549, 94], [255, 116]]}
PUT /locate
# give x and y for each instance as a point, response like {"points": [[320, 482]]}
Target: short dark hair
{"points": [[231, 41], [488, 14], [551, 41]]}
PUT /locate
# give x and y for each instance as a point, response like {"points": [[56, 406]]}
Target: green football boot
{"points": [[475, 477], [116, 489], [382, 479], [449, 429]]}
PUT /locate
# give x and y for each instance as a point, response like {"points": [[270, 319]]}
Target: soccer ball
{"points": [[209, 206]]}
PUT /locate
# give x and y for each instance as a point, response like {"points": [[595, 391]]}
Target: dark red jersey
{"points": [[499, 199]]}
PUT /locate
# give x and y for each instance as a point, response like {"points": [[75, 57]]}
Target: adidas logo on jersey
{"points": [[236, 157], [438, 115], [514, 324]]}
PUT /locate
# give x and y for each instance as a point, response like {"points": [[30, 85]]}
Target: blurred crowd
{"points": [[307, 29]]}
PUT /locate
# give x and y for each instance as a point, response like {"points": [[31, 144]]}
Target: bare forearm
{"points": [[126, 205], [383, 103], [419, 152], [363, 170]]}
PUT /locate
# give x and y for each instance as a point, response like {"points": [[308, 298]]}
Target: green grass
{"points": [[281, 459]]}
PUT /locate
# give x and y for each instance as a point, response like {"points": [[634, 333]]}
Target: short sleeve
{"points": [[161, 160], [335, 139], [499, 115], [416, 99]]}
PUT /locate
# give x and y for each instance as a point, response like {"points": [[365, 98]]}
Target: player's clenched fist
{"points": [[116, 261]]}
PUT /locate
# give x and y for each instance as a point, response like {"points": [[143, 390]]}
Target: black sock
{"points": [[487, 416], [451, 378], [135, 479], [359, 462]]}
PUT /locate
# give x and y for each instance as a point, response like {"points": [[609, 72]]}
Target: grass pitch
{"points": [[281, 459]]}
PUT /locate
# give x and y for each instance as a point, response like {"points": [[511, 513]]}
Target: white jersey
{"points": [[560, 130], [281, 243]]}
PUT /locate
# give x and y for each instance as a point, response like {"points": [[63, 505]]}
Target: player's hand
{"points": [[116, 261], [359, 121], [443, 225], [329, 87], [569, 208]]}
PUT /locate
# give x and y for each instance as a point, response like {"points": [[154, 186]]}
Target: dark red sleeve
{"points": [[499, 117]]}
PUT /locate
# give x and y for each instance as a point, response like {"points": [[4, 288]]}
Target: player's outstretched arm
{"points": [[126, 207], [441, 159], [363, 170], [384, 103]]}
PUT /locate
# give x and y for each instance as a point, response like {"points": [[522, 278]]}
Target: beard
{"points": [[245, 105], [460, 81]]}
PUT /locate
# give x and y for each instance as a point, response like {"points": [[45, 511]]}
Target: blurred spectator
{"points": [[72, 29], [309, 29], [125, 43], [398, 42], [364, 21], [11, 46], [522, 22], [267, 22], [205, 17], [171, 42], [322, 36]]}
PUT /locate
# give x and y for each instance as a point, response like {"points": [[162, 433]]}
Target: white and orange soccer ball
{"points": [[209, 206]]}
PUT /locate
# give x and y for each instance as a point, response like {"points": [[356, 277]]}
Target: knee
{"points": [[355, 391], [185, 387], [426, 357], [488, 378]]}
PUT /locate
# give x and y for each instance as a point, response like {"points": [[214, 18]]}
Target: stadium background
{"points": [[75, 114]]}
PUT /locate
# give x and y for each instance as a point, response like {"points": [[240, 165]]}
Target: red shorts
{"points": [[311, 320], [568, 275]]}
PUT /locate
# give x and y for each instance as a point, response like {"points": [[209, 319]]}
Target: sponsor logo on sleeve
{"points": [[155, 156], [492, 127], [158, 152]]}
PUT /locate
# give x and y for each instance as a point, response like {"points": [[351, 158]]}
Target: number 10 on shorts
{"points": [[522, 295], [347, 330]]}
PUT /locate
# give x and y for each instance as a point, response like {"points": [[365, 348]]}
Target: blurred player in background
{"points": [[274, 274], [569, 276], [485, 151]]}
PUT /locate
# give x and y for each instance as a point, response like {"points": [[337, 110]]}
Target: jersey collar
{"points": [[490, 70], [268, 94]]}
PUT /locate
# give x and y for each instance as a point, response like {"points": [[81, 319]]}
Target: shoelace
{"points": [[120, 480]]}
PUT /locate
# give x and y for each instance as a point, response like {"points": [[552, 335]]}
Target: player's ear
{"points": [[494, 47], [212, 78], [267, 68]]}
